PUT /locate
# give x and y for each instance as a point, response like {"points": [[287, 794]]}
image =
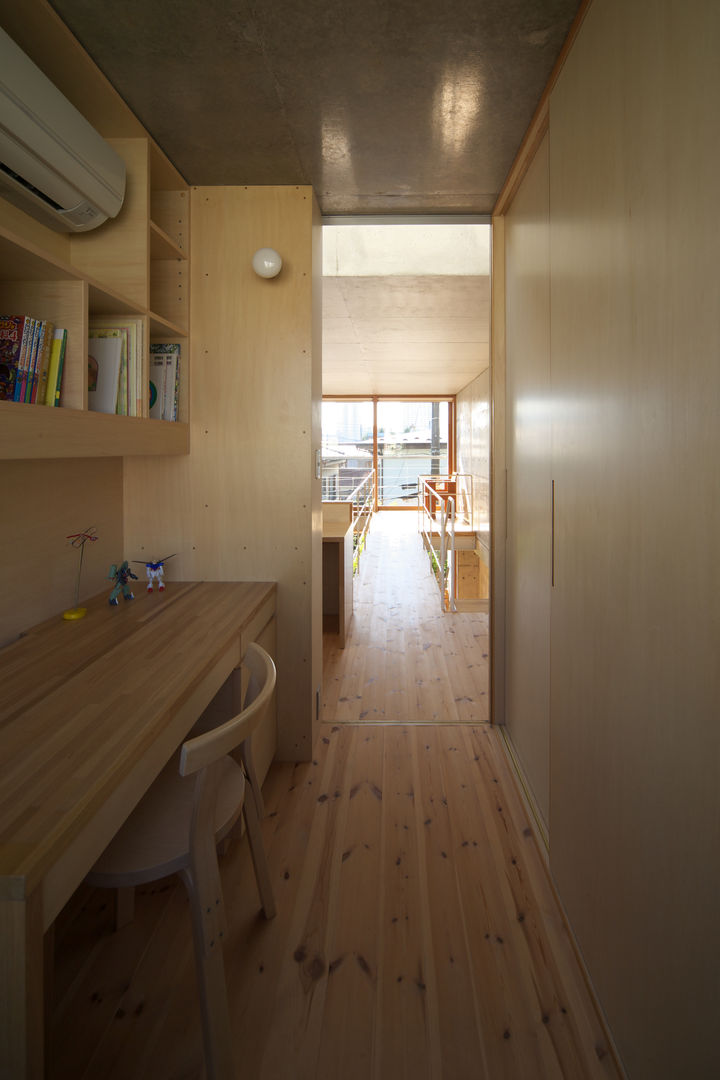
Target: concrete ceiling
{"points": [[383, 106], [404, 335], [406, 308]]}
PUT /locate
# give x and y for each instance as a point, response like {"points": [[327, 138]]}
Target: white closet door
{"points": [[529, 483]]}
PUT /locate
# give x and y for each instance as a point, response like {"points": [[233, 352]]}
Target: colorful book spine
{"points": [[39, 386], [12, 329], [29, 371], [55, 368], [21, 380]]}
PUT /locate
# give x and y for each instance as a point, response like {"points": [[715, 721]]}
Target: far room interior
{"points": [[406, 331]]}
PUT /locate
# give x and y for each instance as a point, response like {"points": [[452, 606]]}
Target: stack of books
{"points": [[32, 357], [164, 381], [115, 351]]}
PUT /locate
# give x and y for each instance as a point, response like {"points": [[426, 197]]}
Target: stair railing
{"points": [[363, 502], [447, 556]]}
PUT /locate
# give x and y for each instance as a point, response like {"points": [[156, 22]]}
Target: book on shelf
{"points": [[132, 331], [101, 333], [30, 361], [55, 368], [42, 362], [21, 379], [169, 356], [25, 348], [104, 360], [157, 385], [12, 333]]}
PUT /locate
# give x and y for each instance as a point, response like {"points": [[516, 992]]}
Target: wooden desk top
{"points": [[333, 531], [98, 705]]}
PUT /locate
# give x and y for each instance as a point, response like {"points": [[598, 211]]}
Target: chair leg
{"points": [[259, 858], [254, 783], [209, 931]]}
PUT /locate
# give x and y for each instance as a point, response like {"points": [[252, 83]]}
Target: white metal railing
{"points": [[446, 576], [444, 502], [363, 503], [362, 499]]}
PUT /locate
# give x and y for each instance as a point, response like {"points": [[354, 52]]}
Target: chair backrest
{"points": [[201, 751]]}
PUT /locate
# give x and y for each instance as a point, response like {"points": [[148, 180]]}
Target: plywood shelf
{"points": [[164, 328], [37, 431], [163, 246]]}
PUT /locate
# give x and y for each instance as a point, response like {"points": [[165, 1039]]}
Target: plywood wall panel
{"points": [[635, 740], [473, 446], [118, 254], [245, 504], [44, 502]]}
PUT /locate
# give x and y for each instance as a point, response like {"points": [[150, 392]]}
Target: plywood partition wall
{"points": [[632, 311], [245, 504], [473, 447]]}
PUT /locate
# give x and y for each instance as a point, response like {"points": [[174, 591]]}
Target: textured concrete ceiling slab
{"points": [[404, 335], [383, 106]]}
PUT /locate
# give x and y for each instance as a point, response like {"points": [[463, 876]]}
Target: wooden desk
{"points": [[90, 713], [337, 578]]}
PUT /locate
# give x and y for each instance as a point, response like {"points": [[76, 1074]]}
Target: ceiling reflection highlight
{"points": [[337, 162], [457, 107]]}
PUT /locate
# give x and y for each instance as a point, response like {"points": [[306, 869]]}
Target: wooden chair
{"points": [[192, 805]]}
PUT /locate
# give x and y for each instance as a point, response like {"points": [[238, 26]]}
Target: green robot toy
{"points": [[121, 575]]}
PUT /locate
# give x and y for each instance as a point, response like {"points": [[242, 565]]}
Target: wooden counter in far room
{"points": [[337, 568]]}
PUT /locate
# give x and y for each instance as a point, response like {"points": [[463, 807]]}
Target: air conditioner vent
{"points": [[24, 183]]}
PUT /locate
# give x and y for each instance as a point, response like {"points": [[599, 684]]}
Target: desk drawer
{"points": [[255, 627]]}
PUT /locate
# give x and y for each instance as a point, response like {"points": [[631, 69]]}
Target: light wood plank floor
{"points": [[405, 661], [417, 934]]}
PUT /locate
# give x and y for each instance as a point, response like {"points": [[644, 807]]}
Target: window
{"points": [[401, 439]]}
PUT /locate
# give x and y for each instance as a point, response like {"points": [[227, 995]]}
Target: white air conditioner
{"points": [[53, 164]]}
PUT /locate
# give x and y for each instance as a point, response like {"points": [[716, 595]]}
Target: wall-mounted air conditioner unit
{"points": [[53, 164]]}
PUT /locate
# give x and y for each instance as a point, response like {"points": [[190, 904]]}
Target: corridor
{"points": [[405, 661], [417, 934]]}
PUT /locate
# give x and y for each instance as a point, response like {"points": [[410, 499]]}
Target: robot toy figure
{"points": [[121, 576], [155, 572]]}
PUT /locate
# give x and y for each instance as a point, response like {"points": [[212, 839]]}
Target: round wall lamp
{"points": [[267, 263]]}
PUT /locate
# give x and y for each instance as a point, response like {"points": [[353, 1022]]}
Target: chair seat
{"points": [[153, 842]]}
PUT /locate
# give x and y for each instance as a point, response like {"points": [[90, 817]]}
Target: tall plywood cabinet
{"points": [[612, 689]]}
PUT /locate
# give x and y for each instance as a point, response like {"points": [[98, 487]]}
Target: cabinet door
{"points": [[529, 480]]}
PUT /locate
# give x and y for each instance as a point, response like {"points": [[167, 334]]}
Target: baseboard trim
{"points": [[540, 832]]}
